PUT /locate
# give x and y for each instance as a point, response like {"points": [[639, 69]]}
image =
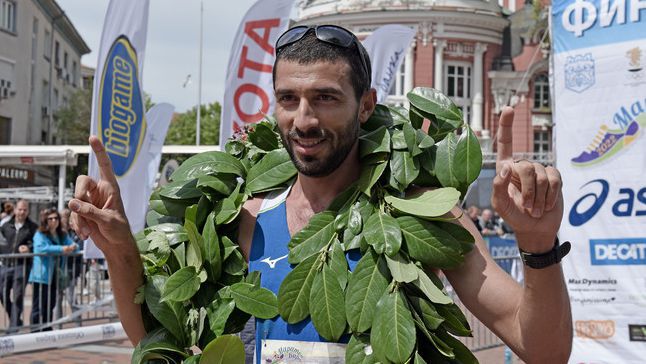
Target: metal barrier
{"points": [[78, 293]]}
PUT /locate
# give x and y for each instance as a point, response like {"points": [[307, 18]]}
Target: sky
{"points": [[172, 50]]}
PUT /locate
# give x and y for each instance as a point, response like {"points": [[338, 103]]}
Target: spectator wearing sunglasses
{"points": [[48, 269], [323, 95]]}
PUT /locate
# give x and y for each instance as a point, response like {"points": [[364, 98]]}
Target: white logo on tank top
{"points": [[272, 262]]}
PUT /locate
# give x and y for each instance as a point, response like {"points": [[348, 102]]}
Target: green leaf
{"points": [[221, 183], [339, 264], [410, 135], [430, 203], [403, 167], [327, 306], [424, 140], [366, 285], [434, 102], [399, 141], [218, 313], [227, 349], [212, 254], [195, 245], [374, 142], [370, 174], [170, 314], [208, 163], [462, 353], [430, 290], [294, 291], [355, 223], [158, 342], [416, 117], [454, 320], [181, 285], [181, 190], [380, 117], [256, 301], [311, 239], [446, 167], [235, 264], [398, 113], [401, 268], [355, 353], [175, 233], [468, 157], [264, 137], [273, 170], [180, 254], [429, 244], [418, 359], [382, 232], [393, 331], [459, 233], [427, 312]]}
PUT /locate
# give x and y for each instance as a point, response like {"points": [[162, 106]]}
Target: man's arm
{"points": [[97, 212], [533, 320]]}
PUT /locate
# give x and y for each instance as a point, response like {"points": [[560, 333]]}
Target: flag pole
{"points": [[199, 82]]}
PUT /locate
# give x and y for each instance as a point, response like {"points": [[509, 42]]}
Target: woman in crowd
{"points": [[50, 239]]}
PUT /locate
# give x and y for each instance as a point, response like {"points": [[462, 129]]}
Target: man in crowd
{"points": [[18, 232], [323, 94], [489, 224]]}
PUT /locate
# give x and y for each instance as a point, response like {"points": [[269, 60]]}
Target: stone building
{"points": [[482, 54], [40, 67]]}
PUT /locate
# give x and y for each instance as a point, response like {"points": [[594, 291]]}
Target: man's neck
{"points": [[319, 192]]}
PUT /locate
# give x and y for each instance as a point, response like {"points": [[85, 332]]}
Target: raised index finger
{"points": [[105, 165], [505, 137]]}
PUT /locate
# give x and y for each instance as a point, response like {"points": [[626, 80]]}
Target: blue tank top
{"points": [[268, 255]]}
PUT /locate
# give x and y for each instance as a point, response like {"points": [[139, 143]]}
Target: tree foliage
{"points": [[182, 128], [73, 119]]}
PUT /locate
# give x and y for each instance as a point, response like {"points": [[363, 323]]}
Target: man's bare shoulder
{"points": [[248, 222]]}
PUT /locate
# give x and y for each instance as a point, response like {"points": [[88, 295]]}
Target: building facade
{"points": [[40, 66], [482, 54]]}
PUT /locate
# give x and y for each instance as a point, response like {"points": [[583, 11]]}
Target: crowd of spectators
{"points": [[44, 260], [488, 222]]}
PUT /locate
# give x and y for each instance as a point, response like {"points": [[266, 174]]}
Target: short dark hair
{"points": [[310, 50]]}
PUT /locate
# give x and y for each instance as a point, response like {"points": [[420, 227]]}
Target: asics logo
{"points": [[272, 262]]}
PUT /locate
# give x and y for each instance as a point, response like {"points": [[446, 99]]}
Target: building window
{"points": [[57, 54], [542, 141], [5, 131], [48, 45], [74, 73], [397, 87], [458, 86], [8, 15], [542, 93]]}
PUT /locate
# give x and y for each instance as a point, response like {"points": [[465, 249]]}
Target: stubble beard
{"points": [[325, 165]]}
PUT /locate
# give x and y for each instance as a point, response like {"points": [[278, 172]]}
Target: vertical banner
{"points": [[599, 79], [249, 92], [387, 47], [118, 112]]}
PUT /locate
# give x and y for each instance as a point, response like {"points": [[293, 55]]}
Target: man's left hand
{"points": [[526, 195]]}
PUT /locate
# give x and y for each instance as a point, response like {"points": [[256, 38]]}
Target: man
{"points": [[489, 224], [474, 214], [19, 232], [322, 87]]}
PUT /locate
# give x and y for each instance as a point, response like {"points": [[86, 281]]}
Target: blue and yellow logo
{"points": [[122, 124]]}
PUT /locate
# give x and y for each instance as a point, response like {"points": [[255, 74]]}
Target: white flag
{"points": [[118, 111], [387, 47], [249, 93]]}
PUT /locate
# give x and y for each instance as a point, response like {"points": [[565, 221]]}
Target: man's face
{"points": [[317, 114], [22, 209], [487, 215]]}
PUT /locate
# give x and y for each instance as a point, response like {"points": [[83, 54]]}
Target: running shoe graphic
{"points": [[608, 142]]}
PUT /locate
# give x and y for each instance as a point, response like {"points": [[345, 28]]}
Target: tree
{"points": [[182, 127], [73, 119]]}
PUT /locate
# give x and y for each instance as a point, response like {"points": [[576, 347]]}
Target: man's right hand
{"points": [[97, 208]]}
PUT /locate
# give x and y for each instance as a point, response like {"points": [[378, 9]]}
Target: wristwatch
{"points": [[544, 260]]}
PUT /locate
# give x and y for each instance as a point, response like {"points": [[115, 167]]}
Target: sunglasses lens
{"points": [[334, 35], [291, 36]]}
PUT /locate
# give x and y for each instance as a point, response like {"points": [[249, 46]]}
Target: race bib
{"points": [[288, 352]]}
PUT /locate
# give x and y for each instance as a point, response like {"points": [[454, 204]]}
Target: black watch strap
{"points": [[544, 260]]}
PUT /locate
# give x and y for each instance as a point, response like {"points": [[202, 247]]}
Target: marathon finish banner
{"points": [[249, 91], [599, 93]]}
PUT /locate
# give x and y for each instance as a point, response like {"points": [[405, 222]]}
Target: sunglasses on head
{"points": [[331, 34]]}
